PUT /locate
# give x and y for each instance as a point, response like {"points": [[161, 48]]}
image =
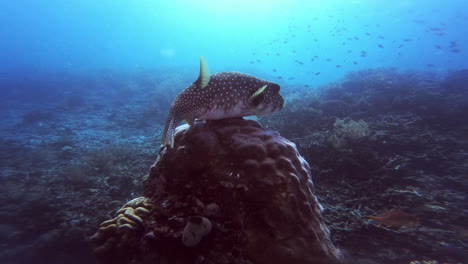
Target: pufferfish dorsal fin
{"points": [[204, 77]]}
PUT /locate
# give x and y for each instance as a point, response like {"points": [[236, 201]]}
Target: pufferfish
{"points": [[219, 96]]}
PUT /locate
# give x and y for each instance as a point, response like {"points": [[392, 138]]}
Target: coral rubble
{"points": [[244, 192]]}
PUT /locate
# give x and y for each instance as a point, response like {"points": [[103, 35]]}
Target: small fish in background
{"points": [[280, 77], [368, 34], [329, 59], [355, 62], [338, 66], [455, 50], [317, 73], [306, 85], [291, 78], [380, 46], [381, 37], [435, 29], [401, 45], [394, 218], [275, 70], [453, 43], [407, 40]]}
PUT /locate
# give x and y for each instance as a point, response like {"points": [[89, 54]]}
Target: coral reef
{"points": [[348, 131], [117, 232], [63, 175], [245, 190], [195, 229]]}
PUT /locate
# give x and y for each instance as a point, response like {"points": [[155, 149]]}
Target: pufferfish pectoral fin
{"points": [[169, 130], [204, 77], [256, 98], [190, 121]]}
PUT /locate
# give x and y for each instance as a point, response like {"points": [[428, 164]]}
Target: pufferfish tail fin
{"points": [[169, 130]]}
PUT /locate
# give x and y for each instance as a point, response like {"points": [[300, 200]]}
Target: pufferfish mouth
{"points": [[276, 105], [271, 107], [279, 103]]}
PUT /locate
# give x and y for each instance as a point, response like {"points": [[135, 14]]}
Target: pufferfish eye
{"points": [[275, 88]]}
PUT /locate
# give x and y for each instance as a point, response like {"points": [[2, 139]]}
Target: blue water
{"points": [[88, 35]]}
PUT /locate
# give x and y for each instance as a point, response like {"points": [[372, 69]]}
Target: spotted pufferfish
{"points": [[219, 96]]}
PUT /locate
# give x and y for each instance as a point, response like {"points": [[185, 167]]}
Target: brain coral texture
{"points": [[249, 184]]}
